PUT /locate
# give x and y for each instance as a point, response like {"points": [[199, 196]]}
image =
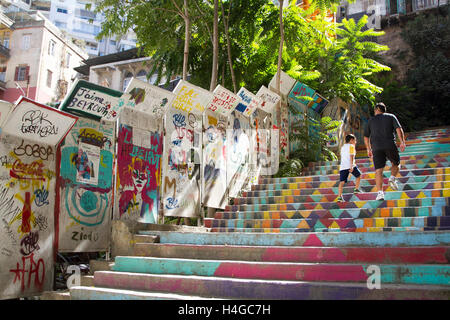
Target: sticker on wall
{"points": [[92, 101]]}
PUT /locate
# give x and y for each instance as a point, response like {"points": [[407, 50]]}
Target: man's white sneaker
{"points": [[393, 183], [380, 195]]}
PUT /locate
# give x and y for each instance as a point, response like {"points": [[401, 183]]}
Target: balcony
{"points": [[4, 51]]}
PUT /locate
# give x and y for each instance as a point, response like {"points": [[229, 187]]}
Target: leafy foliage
{"points": [[311, 137], [429, 37]]}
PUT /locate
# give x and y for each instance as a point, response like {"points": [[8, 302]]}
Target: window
{"points": [[112, 42], [60, 24], [49, 78], [22, 73], [51, 48], [61, 10], [142, 75], [127, 80], [26, 42], [5, 39], [68, 56], [2, 73]]}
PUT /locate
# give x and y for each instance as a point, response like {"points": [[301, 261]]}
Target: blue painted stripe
{"points": [[383, 239]]}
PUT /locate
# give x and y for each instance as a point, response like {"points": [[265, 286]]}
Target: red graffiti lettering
{"points": [[32, 268]]}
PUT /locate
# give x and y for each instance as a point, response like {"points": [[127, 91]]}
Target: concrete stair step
{"points": [[346, 190], [308, 239], [350, 183], [263, 289], [137, 238], [99, 265], [330, 223], [404, 159], [324, 198], [364, 176], [410, 164], [87, 281], [331, 272], [373, 255], [435, 211], [55, 295], [91, 293], [371, 204], [330, 229], [364, 169]]}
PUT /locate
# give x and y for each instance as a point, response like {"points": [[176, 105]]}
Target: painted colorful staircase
{"points": [[289, 239]]}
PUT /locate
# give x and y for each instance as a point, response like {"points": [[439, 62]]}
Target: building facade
{"points": [[40, 61]]}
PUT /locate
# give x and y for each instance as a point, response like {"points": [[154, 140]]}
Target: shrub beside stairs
{"points": [[289, 239]]}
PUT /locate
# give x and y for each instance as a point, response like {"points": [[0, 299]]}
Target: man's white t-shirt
{"points": [[347, 150]]}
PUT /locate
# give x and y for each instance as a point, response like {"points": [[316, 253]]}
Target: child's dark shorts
{"points": [[344, 174]]}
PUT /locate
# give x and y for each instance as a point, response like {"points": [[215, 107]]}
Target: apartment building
{"points": [[37, 61]]}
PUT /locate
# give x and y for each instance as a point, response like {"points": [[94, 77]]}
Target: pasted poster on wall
{"points": [[183, 151], [139, 157], [85, 186], [92, 101], [214, 165], [28, 145]]}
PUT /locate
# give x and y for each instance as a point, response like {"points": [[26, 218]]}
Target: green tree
{"points": [[429, 37]]}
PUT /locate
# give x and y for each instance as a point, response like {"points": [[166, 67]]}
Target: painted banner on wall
{"points": [[147, 98], [139, 154], [28, 145], [181, 195], [140, 147], [85, 186], [214, 165], [92, 101]]}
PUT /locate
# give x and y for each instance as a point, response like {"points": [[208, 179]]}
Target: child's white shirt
{"points": [[347, 150]]}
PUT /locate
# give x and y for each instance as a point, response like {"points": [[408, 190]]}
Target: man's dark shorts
{"points": [[343, 174], [380, 156]]}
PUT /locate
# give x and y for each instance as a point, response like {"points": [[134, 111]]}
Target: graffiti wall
{"points": [[269, 102], [181, 195], [28, 145], [139, 156], [286, 84], [92, 101], [139, 151], [238, 146], [215, 153], [85, 186]]}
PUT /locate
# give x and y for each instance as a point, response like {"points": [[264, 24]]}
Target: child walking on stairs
{"points": [[348, 165]]}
